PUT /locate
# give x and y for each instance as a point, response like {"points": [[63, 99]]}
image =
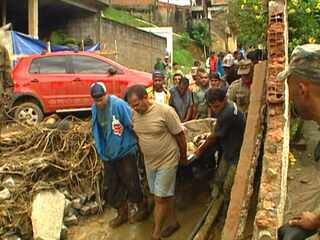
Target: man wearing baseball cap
{"points": [[158, 92], [239, 90], [303, 75], [117, 148]]}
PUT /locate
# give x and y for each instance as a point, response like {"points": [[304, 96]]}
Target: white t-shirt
{"points": [[159, 97]]}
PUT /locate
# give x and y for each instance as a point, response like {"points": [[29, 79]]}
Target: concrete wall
{"points": [[171, 15], [136, 48], [137, 4], [83, 26]]}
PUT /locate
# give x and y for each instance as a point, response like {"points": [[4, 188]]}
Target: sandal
{"points": [[168, 231]]}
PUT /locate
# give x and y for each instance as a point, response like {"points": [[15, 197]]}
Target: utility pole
{"points": [[3, 9], [33, 17], [168, 12]]}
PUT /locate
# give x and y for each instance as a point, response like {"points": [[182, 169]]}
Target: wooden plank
{"points": [[204, 231], [273, 186], [243, 183]]}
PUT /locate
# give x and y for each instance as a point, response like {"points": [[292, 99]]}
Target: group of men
{"points": [[151, 130], [186, 94], [123, 136]]}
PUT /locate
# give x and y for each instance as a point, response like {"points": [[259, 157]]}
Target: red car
{"points": [[60, 82]]}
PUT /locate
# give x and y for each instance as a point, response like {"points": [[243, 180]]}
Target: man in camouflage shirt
{"points": [[239, 90], [303, 75]]}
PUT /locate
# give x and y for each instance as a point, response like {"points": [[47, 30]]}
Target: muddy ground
{"points": [[304, 176], [193, 199]]}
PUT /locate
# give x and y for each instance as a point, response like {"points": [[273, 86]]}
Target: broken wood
{"points": [[204, 231], [243, 183]]}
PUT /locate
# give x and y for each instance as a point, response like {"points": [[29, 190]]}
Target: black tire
{"points": [[29, 113]]}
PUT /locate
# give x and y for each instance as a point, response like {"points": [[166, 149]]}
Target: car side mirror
{"points": [[112, 71]]}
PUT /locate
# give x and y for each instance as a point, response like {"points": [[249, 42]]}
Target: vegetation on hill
{"points": [[124, 17]]}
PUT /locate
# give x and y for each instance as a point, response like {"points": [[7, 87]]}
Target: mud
{"points": [[192, 200], [304, 176]]}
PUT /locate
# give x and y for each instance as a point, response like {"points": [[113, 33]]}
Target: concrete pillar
{"points": [[33, 13], [3, 9]]}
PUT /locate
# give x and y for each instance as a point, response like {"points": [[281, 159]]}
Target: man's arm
{"points": [[175, 128], [232, 93], [307, 221], [182, 144], [211, 140], [189, 114]]}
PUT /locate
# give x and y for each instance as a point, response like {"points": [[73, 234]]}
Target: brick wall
{"points": [[136, 48]]}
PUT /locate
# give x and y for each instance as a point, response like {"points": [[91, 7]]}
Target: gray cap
{"points": [[305, 61]]}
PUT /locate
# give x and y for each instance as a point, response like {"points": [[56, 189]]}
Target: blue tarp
{"points": [[26, 45]]}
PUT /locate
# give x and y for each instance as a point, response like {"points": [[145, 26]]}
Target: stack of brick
{"points": [[273, 189]]}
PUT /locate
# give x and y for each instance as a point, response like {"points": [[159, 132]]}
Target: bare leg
{"points": [[160, 213], [172, 215]]}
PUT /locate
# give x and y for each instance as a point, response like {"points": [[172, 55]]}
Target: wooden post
{"points": [[3, 7], [243, 188], [33, 13]]}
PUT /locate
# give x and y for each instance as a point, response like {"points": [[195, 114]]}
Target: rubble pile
{"points": [[39, 160]]}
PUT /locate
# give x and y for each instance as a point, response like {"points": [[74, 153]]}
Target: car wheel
{"points": [[29, 113]]}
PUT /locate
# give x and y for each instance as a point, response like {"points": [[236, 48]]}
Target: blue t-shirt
{"points": [[180, 103], [112, 130]]}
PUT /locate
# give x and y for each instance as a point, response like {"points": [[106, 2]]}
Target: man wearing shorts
{"points": [[163, 145]]}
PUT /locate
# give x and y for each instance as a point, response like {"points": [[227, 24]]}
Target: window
{"points": [[89, 65], [49, 65]]}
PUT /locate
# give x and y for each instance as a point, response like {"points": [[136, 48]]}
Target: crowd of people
{"points": [[232, 72], [143, 139]]}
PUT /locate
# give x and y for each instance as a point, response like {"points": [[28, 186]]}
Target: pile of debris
{"points": [[48, 166]]}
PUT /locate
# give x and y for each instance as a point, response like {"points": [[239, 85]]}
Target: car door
{"points": [[88, 70], [49, 77]]}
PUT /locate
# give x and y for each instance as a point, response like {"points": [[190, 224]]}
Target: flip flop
{"points": [[168, 231]]}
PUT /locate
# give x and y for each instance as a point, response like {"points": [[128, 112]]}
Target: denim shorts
{"points": [[162, 182]]}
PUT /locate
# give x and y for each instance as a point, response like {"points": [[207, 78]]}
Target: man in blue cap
{"points": [[117, 147]]}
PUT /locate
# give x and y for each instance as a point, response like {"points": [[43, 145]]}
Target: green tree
{"points": [[248, 20], [201, 34], [304, 22]]}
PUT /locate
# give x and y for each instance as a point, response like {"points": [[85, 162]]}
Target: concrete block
{"points": [[85, 210], [94, 207], [76, 203], [67, 207], [71, 220], [47, 215], [8, 182], [4, 194]]}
